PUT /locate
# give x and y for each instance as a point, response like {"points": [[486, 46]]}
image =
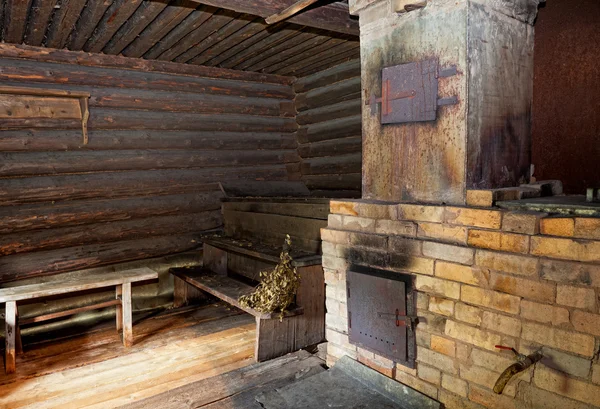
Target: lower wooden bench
{"points": [[274, 337], [120, 280]]}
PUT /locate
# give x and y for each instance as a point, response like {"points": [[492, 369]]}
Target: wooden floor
{"points": [[171, 350]]}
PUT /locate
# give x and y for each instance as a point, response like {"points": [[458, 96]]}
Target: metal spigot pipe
{"points": [[523, 363]]}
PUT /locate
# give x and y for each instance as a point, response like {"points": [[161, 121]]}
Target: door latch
{"points": [[411, 320]]}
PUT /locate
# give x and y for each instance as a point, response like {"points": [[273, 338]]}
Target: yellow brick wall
{"points": [[484, 276]]}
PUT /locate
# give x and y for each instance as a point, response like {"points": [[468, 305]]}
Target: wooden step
{"points": [[226, 288]]}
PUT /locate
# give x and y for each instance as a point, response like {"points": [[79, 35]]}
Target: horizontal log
{"points": [[350, 181], [52, 215], [16, 71], [299, 208], [62, 140], [330, 17], [337, 128], [264, 189], [49, 239], [54, 163], [273, 228], [351, 163], [127, 184], [327, 95], [39, 263], [108, 118], [341, 72], [332, 147], [104, 118], [347, 194], [158, 100], [66, 313], [329, 112], [42, 91], [40, 54]]}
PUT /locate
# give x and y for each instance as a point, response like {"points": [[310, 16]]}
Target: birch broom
{"points": [[277, 288]]}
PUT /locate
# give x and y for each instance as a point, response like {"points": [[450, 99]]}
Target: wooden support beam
{"points": [[332, 17], [66, 313], [290, 11], [18, 340], [9, 335], [119, 307], [127, 315]]}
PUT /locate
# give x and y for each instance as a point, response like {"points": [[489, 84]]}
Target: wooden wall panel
{"points": [[330, 129], [146, 185]]}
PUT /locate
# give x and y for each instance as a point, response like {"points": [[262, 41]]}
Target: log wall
{"points": [[330, 128], [161, 137]]}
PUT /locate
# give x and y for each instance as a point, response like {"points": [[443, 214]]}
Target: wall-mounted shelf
{"points": [[20, 103]]}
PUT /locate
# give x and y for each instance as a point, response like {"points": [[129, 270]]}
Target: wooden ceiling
{"points": [[185, 31]]}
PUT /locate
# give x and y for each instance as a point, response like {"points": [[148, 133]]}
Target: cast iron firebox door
{"points": [[377, 317]]}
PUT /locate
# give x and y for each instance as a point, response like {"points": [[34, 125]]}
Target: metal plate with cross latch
{"points": [[409, 92], [409, 320], [377, 318]]}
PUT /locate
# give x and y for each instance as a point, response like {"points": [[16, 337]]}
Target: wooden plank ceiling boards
{"points": [[216, 33]]}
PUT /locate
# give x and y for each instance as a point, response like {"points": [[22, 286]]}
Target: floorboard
{"points": [[237, 389], [171, 350]]}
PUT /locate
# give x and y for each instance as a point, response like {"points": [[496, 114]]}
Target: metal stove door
{"points": [[376, 314]]}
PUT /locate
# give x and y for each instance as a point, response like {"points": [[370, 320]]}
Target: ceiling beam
{"points": [[331, 17]]}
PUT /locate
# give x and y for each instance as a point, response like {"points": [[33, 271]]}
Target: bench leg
{"points": [[186, 294], [119, 308], [18, 341], [10, 365], [274, 338], [127, 316]]}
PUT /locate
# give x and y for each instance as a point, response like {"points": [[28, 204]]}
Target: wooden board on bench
{"points": [[300, 327], [73, 284], [55, 286], [227, 289]]}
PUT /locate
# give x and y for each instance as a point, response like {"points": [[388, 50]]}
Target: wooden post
{"points": [[186, 294], [127, 316], [18, 341], [11, 321], [119, 308]]}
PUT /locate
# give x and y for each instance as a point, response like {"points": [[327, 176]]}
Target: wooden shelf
{"points": [[27, 104]]}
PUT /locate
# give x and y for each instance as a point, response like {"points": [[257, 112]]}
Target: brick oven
{"points": [[459, 268]]}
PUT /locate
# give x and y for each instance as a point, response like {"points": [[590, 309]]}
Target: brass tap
{"points": [[523, 362]]}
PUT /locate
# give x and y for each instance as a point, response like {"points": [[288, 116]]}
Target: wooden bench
{"points": [[254, 233], [120, 280]]}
